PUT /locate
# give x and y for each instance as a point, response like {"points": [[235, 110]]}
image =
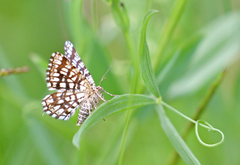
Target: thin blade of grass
{"points": [[174, 137], [218, 49], [76, 22], [111, 107], [168, 31], [44, 142], [120, 15]]}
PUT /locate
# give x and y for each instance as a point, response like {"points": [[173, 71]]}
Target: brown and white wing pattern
{"points": [[72, 55], [62, 75], [62, 105], [74, 84]]}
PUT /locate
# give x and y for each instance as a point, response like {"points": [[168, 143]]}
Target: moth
{"points": [[74, 85]]}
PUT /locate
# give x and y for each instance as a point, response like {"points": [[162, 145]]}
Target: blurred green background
{"points": [[205, 41]]}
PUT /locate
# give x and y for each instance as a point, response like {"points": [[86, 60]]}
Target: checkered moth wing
{"points": [[72, 55], [62, 75], [62, 105], [74, 84]]}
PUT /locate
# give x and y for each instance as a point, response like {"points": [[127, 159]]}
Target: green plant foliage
{"points": [[120, 14], [181, 51], [213, 53], [211, 129], [116, 105], [175, 138], [147, 73]]}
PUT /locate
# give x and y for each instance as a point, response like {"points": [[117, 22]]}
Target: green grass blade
{"points": [[147, 73], [168, 31], [218, 49], [76, 22], [81, 32], [44, 142], [113, 106], [174, 137]]}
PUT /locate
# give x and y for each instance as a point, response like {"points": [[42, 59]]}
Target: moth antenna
{"points": [[103, 77], [109, 93]]}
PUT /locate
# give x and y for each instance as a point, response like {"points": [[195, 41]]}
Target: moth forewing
{"points": [[74, 84]]}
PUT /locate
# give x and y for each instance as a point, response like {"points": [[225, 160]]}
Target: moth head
{"points": [[99, 89], [99, 93]]}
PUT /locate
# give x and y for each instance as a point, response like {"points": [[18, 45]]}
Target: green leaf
{"points": [[113, 106], [147, 73], [218, 49], [174, 137], [44, 142]]}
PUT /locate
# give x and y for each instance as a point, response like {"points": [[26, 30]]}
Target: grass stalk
{"points": [[167, 33], [175, 157]]}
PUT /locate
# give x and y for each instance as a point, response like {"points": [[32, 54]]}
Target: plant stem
{"points": [[6, 72], [76, 23], [204, 103], [126, 126], [176, 111], [134, 85], [174, 18], [148, 5], [199, 111], [121, 18], [184, 116], [94, 15]]}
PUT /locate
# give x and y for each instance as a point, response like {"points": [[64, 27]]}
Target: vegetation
{"points": [[176, 71]]}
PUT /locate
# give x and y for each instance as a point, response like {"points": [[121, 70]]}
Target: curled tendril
{"points": [[210, 128]]}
